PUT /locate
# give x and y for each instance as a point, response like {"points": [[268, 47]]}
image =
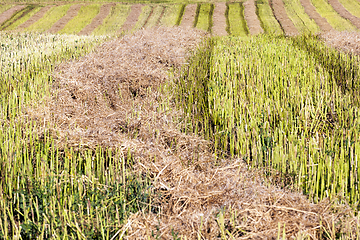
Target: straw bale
{"points": [[112, 98]]}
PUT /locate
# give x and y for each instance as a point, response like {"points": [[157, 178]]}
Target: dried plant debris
{"points": [[345, 41], [111, 98]]}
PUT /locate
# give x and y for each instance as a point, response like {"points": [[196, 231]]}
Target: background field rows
{"points": [[242, 18]]}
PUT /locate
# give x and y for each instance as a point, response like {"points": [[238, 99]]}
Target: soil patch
{"points": [[339, 8], [71, 13], [251, 18], [189, 16], [37, 16], [345, 41], [310, 10], [219, 20], [112, 98], [132, 18], [98, 20], [10, 12], [280, 14]]}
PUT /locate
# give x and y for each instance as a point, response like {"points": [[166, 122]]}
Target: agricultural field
{"points": [[172, 120]]}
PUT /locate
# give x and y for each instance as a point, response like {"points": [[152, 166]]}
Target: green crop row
{"points": [[286, 105], [49, 192], [236, 20]]}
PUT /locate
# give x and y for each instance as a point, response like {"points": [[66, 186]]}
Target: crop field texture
{"points": [[172, 120]]}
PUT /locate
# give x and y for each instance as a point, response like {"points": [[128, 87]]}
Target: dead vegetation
{"points": [[112, 98], [345, 41]]}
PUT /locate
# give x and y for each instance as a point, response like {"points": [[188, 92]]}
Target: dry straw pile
{"points": [[112, 98]]}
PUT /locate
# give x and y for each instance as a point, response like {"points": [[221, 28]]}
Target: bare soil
{"points": [[219, 20], [344, 41], [345, 13], [310, 10], [251, 18], [37, 16], [98, 20], [280, 14], [71, 13], [189, 16], [132, 18], [112, 98], [161, 16], [10, 12]]}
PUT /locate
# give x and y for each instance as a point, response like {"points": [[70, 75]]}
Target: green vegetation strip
{"points": [[17, 17], [50, 18], [153, 20], [204, 20], [84, 17], [333, 18], [301, 20], [113, 22], [26, 17], [145, 12], [47, 191], [237, 23], [181, 14], [267, 18], [287, 105], [171, 15], [352, 6]]}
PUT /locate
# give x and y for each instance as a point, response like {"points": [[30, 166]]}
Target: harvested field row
{"points": [[254, 17]]}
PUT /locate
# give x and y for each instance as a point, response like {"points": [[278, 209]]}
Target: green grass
{"points": [[267, 19], [4, 7], [113, 22], [301, 20], [145, 12], [84, 17], [153, 20], [352, 6], [204, 17], [287, 105], [50, 18], [333, 18], [25, 18], [171, 15], [238, 26]]}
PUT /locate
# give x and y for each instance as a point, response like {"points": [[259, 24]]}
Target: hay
{"points": [[111, 98], [345, 41]]}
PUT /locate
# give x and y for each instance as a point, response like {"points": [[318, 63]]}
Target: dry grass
{"points": [[112, 98], [345, 41]]}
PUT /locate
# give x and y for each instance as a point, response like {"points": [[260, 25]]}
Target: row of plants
{"points": [[289, 106], [47, 190]]}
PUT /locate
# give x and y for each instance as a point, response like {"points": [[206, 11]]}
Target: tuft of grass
{"points": [[172, 14], [25, 17], [238, 26], [50, 18], [301, 20], [113, 22], [267, 18], [204, 15], [84, 17], [333, 18]]}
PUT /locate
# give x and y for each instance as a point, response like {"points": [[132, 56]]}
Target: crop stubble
{"points": [[71, 13], [10, 12], [251, 18], [280, 14], [313, 14]]}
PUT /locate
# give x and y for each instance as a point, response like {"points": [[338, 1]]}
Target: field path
{"points": [[280, 14], [36, 17], [313, 14], [98, 20], [251, 18], [71, 13], [10, 12], [339, 8], [189, 16], [219, 20], [132, 18]]}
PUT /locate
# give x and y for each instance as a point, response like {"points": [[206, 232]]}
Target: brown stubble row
{"points": [[113, 98]]}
